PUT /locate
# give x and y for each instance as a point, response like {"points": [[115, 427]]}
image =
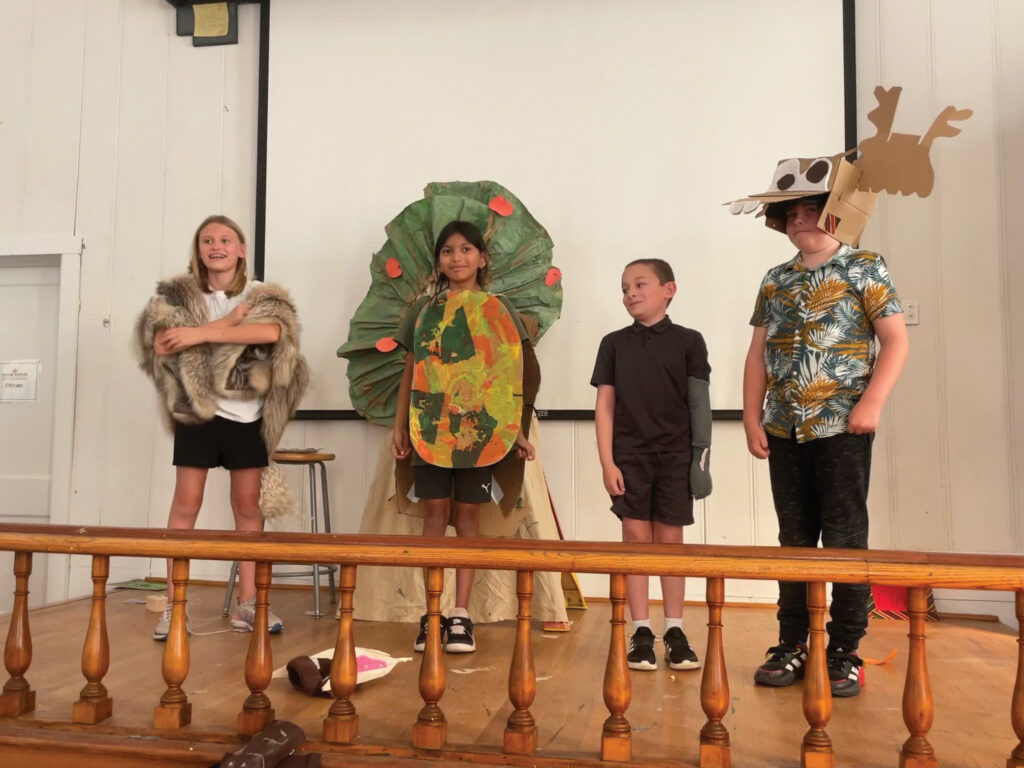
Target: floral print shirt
{"points": [[820, 348]]}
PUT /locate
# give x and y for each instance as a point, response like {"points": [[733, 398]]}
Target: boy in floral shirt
{"points": [[815, 323]]}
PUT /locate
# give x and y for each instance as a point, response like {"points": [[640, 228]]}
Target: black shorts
{"points": [[657, 488], [472, 485], [220, 442]]}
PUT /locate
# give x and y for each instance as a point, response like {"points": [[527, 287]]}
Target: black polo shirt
{"points": [[649, 368]]}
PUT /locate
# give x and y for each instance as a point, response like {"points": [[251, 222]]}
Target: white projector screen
{"points": [[622, 126]]}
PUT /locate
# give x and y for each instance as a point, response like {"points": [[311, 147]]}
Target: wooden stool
{"points": [[311, 460]]}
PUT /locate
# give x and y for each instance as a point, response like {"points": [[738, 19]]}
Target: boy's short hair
{"points": [[661, 268], [778, 211]]}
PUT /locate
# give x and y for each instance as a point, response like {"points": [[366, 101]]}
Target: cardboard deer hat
{"points": [[888, 162]]}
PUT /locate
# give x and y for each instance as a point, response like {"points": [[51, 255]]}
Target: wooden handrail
{"points": [[918, 570], [849, 566]]}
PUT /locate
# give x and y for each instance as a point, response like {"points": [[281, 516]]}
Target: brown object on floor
{"points": [[309, 675], [268, 748], [308, 760]]}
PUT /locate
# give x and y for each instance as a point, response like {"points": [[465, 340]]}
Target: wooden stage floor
{"points": [[972, 666]]}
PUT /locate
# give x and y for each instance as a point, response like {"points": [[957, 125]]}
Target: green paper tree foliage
{"points": [[403, 270]]}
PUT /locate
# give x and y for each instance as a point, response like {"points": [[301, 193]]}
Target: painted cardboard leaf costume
{"points": [[466, 405], [888, 162]]}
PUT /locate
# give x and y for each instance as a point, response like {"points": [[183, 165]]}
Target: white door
{"points": [[29, 312]]}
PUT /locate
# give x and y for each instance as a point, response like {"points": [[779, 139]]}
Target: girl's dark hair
{"points": [[472, 234]]}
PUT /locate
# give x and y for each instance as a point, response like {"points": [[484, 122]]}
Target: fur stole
{"points": [[190, 382]]}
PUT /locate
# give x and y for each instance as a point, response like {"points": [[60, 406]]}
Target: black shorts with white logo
{"points": [[472, 485], [220, 442]]}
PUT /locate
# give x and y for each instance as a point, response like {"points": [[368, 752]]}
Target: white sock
{"points": [[460, 613], [641, 623], [670, 623]]}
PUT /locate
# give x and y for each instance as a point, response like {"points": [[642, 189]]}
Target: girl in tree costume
{"points": [[473, 377]]}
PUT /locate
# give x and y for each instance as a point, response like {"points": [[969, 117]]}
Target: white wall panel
{"points": [[15, 85], [1009, 96], [954, 473], [54, 102], [974, 329], [40, 103]]}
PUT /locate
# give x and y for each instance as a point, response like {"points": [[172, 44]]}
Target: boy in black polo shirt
{"points": [[653, 419]]}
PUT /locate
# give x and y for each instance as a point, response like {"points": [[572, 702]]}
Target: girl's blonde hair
{"points": [[198, 270]]}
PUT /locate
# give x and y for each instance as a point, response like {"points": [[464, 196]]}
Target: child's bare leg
{"points": [[189, 484], [673, 588], [435, 516], [636, 586], [435, 519], [245, 505], [467, 523]]}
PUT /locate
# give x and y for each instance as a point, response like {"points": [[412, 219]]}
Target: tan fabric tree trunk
{"points": [[396, 593]]}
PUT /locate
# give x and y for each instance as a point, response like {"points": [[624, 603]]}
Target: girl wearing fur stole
{"points": [[223, 352]]}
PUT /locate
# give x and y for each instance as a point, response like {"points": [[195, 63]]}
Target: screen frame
{"points": [[259, 238]]}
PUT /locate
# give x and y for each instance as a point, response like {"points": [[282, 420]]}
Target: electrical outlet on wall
{"points": [[910, 311]]}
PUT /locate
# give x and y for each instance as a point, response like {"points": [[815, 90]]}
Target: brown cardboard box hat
{"points": [[846, 210], [888, 162]]}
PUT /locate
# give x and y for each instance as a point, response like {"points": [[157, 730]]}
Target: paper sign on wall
{"points": [[18, 380], [212, 19]]}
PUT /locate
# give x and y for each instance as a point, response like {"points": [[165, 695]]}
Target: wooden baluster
{"points": [[18, 697], [714, 685], [431, 729], [341, 726], [917, 691], [175, 710], [1016, 759], [256, 710], [816, 750], [94, 705], [521, 729], [616, 737]]}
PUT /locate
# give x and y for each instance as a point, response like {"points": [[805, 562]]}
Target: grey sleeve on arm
{"points": [[699, 401]]}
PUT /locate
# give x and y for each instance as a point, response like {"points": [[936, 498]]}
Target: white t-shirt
{"points": [[218, 305]]}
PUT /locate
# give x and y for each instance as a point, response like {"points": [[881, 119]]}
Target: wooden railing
{"points": [[917, 570]]}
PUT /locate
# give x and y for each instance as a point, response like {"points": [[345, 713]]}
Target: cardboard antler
{"points": [[883, 115], [941, 126]]}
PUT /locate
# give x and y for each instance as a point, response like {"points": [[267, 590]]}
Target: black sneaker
{"points": [[845, 672], [421, 638], [678, 652], [641, 650], [784, 666], [460, 635]]}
